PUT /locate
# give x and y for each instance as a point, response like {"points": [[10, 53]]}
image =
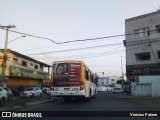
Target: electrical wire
{"points": [[67, 50], [71, 41], [87, 55], [75, 40], [97, 54]]}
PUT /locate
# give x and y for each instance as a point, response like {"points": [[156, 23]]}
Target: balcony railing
{"points": [[27, 73]]}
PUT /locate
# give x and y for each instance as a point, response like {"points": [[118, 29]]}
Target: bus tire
{"points": [[90, 95], [94, 94]]}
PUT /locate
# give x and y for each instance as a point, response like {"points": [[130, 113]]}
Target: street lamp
{"points": [[16, 39]]}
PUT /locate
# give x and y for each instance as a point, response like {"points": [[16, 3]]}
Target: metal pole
{"points": [[4, 64], [122, 71]]}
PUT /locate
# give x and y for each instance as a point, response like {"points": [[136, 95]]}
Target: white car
{"points": [[31, 92], [3, 97], [117, 90], [9, 93]]}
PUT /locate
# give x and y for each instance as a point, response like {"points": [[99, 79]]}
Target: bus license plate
{"points": [[74, 89], [66, 89]]}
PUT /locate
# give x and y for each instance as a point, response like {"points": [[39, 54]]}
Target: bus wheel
{"points": [[89, 97], [67, 99], [94, 94]]}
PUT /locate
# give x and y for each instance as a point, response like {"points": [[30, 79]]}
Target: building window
{"points": [[158, 52], [158, 28], [143, 56], [24, 63], [35, 66], [15, 59], [144, 32], [31, 64]]}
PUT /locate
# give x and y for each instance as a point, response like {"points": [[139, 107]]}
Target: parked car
{"points": [[3, 97], [31, 92], [117, 90], [46, 90], [9, 93]]}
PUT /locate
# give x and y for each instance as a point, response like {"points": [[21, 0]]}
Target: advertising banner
{"points": [[68, 74]]}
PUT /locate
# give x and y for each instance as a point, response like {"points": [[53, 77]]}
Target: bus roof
{"points": [[68, 61]]}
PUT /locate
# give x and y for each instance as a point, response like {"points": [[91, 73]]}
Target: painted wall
{"points": [[155, 83], [147, 85]]}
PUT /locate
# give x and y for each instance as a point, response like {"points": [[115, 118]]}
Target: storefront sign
{"points": [[143, 69]]}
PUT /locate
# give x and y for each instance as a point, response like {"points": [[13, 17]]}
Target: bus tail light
{"points": [[81, 86]]}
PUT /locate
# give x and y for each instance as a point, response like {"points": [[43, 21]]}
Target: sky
{"points": [[71, 20]]}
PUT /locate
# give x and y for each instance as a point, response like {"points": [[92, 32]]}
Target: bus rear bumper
{"points": [[67, 93]]}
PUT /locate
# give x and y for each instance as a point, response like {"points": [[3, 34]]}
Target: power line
{"points": [[77, 49], [71, 41], [102, 54], [88, 48], [89, 55]]}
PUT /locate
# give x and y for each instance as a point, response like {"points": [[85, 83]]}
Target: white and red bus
{"points": [[72, 78]]}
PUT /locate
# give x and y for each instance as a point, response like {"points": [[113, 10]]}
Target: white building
{"points": [[106, 81], [143, 49]]}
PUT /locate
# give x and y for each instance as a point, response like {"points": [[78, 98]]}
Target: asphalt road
{"points": [[104, 102]]}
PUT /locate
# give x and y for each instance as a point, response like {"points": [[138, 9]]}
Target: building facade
{"points": [[22, 71], [142, 45]]}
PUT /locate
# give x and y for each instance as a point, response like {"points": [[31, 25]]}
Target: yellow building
{"points": [[22, 71]]}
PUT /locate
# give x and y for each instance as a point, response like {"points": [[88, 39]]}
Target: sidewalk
{"points": [[128, 96], [12, 105]]}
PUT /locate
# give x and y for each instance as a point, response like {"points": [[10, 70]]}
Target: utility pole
{"points": [[4, 64], [122, 71]]}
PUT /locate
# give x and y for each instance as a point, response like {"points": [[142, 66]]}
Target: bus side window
{"points": [[92, 77], [86, 74], [89, 76]]}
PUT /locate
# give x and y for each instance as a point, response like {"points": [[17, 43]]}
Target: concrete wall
{"points": [[141, 89], [147, 86], [148, 43], [155, 83], [149, 20]]}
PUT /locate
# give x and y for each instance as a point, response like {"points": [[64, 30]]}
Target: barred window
{"points": [[158, 28], [24, 63], [35, 66], [138, 33], [143, 56]]}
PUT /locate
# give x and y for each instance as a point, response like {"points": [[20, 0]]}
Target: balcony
{"points": [[27, 73]]}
